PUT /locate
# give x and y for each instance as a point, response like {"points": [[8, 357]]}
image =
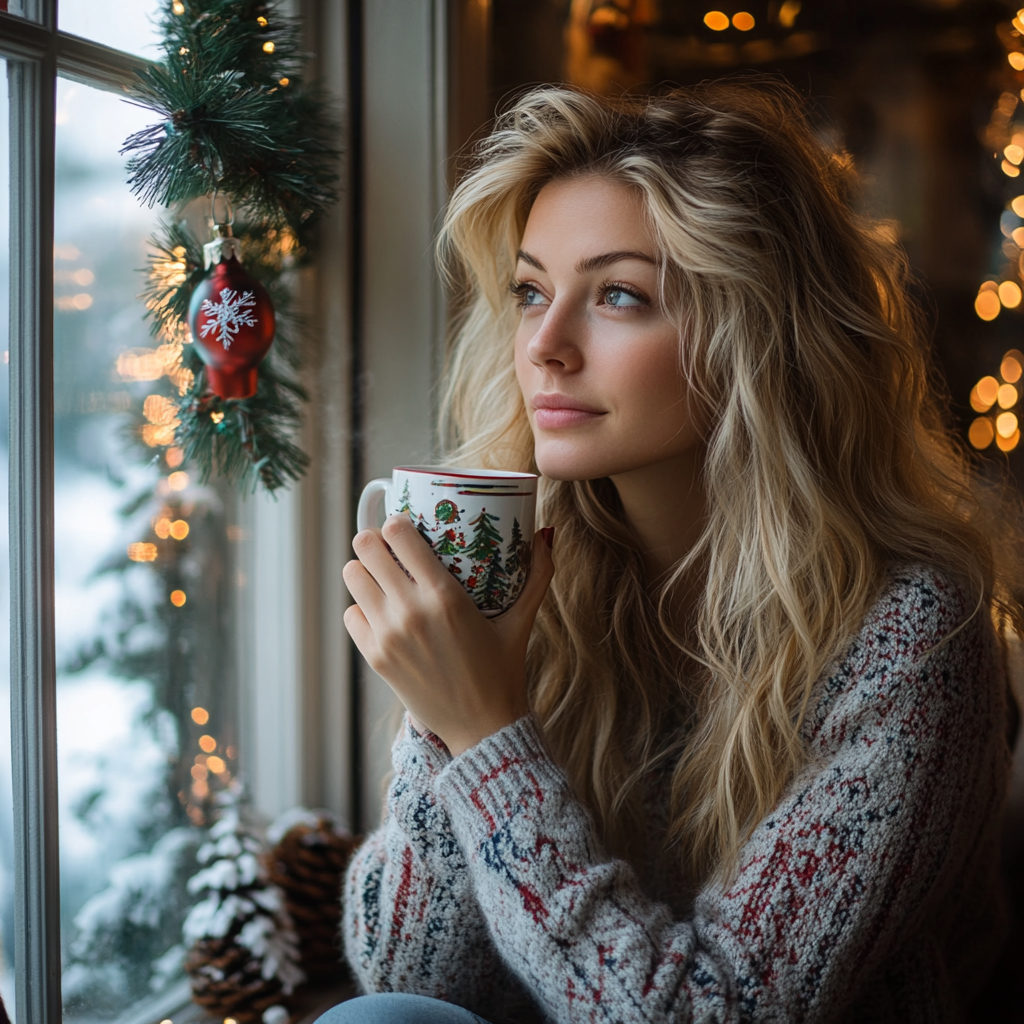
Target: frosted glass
{"points": [[133, 525]]}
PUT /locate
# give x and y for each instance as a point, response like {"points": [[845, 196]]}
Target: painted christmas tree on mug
{"points": [[476, 521]]}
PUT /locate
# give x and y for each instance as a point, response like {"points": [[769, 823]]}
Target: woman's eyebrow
{"points": [[531, 260], [592, 263]]}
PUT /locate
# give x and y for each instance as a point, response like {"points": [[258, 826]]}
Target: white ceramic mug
{"points": [[479, 523]]}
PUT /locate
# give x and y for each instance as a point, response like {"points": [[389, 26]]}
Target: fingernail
{"points": [[548, 533]]}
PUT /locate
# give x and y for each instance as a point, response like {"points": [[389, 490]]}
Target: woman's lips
{"points": [[552, 419], [553, 410]]}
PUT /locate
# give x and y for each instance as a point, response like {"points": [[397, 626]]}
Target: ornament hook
{"points": [[222, 225]]}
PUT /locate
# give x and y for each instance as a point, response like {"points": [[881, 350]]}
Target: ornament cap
{"points": [[232, 383], [221, 249]]}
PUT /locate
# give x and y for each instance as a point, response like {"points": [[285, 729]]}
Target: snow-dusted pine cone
{"points": [[307, 863], [243, 952], [227, 981]]}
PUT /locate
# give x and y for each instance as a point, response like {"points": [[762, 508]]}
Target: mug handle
{"points": [[368, 513]]}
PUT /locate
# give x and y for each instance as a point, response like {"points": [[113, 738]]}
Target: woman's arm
{"points": [[411, 920], [870, 841]]}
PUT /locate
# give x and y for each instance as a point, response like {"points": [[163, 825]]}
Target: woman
{"points": [[741, 756]]}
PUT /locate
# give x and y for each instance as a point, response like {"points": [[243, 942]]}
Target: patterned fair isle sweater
{"points": [[868, 894]]}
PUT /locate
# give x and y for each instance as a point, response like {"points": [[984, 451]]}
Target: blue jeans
{"points": [[397, 1008]]}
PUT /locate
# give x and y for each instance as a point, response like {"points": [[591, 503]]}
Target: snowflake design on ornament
{"points": [[228, 316]]}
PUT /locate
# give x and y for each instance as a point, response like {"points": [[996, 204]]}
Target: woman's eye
{"points": [[620, 297], [532, 297]]}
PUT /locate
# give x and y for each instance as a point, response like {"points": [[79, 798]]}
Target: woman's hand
{"points": [[459, 673]]}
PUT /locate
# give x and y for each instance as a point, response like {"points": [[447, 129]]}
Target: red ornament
{"points": [[232, 321]]}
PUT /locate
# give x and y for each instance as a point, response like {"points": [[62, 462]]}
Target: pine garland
{"points": [[238, 122]]}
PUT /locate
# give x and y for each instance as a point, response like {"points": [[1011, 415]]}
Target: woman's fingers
{"points": [[365, 590], [361, 633], [414, 552], [371, 550]]}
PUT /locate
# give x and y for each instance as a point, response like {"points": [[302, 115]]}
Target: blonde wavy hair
{"points": [[827, 460]]}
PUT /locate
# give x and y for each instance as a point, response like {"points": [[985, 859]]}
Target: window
{"points": [[168, 635]]}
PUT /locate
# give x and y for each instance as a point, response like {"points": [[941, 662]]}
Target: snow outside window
{"points": [[145, 591]]}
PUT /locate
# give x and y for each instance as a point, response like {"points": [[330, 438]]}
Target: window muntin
{"points": [[134, 530], [6, 794]]}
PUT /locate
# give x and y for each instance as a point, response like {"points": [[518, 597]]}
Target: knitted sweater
{"points": [[868, 894]]}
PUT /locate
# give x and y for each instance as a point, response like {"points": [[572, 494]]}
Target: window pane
{"points": [[6, 797], [142, 676], [128, 25]]}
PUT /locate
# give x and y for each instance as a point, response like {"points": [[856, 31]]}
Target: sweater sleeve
{"points": [[411, 921], [902, 780]]}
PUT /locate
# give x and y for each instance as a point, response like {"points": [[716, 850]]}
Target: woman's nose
{"points": [[557, 343]]}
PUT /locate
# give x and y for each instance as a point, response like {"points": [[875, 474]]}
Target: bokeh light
{"points": [[200, 716], [743, 20], [981, 432], [716, 21], [987, 304], [207, 744], [1007, 444], [1009, 294], [1006, 424], [988, 391], [1007, 398], [1012, 366], [142, 552], [178, 598], [179, 529], [216, 765], [178, 480]]}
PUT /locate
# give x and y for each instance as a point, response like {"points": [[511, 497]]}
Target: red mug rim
{"points": [[461, 473]]}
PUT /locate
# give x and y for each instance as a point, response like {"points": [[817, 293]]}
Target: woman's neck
{"points": [[664, 505]]}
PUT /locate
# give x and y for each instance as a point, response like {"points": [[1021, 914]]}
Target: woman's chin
{"points": [[568, 469]]}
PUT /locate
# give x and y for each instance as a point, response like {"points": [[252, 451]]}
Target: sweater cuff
{"points": [[422, 747], [507, 774]]}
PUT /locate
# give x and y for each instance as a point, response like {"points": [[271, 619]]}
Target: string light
{"points": [[1016, 60], [200, 716], [207, 744], [216, 765], [178, 598], [261, 21], [178, 480], [1007, 396], [175, 457], [179, 8], [217, 417], [716, 21], [743, 20], [788, 12], [162, 527], [1006, 424], [268, 47], [179, 529], [142, 552]]}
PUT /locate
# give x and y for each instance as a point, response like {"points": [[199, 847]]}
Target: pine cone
{"points": [[308, 865], [226, 981]]}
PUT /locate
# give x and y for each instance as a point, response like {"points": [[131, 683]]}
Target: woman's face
{"points": [[597, 360]]}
